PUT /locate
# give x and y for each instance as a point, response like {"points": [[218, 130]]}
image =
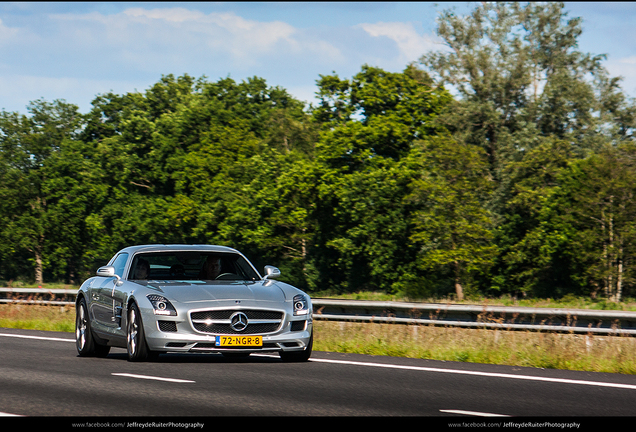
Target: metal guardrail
{"points": [[584, 321], [37, 296]]}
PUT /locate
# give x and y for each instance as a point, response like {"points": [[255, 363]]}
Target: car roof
{"points": [[177, 248]]}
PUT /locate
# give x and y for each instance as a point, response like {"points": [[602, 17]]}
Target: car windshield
{"points": [[204, 266]]}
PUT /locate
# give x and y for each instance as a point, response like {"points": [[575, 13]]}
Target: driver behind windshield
{"points": [[211, 268], [142, 270]]}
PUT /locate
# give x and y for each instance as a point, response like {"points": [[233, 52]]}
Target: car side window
{"points": [[120, 263]]}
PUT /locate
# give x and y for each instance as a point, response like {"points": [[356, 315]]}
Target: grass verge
{"points": [[36, 317], [515, 348]]}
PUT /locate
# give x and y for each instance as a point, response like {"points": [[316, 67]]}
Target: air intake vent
{"points": [[167, 326], [298, 325]]}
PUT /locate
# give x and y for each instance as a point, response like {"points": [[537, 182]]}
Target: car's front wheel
{"points": [[136, 345], [299, 356], [84, 340]]}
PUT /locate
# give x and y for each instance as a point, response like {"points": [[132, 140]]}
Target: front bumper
{"points": [[177, 334]]}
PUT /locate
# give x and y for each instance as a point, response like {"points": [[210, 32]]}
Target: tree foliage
{"points": [[504, 164]]}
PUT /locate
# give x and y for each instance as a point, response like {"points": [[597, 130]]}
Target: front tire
{"points": [[84, 339], [298, 356], [136, 345]]}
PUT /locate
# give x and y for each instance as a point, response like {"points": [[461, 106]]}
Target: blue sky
{"points": [[77, 50]]}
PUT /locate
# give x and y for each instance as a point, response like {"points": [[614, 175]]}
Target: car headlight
{"points": [[161, 305], [300, 305]]}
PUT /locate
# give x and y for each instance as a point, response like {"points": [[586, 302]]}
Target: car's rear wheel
{"points": [[85, 342], [298, 356], [136, 345]]}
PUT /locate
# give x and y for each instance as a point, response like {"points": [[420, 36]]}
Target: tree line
{"points": [[503, 164]]}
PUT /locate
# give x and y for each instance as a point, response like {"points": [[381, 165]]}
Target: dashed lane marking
{"points": [[37, 337], [474, 413], [147, 377]]}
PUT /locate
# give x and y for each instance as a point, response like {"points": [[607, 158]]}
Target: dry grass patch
{"points": [[36, 317], [515, 348]]}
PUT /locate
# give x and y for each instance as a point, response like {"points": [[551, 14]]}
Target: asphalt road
{"points": [[42, 376]]}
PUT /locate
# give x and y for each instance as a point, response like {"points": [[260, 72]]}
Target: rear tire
{"points": [[136, 345], [85, 342]]}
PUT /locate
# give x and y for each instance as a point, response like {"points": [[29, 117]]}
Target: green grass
{"points": [[36, 317], [514, 348]]}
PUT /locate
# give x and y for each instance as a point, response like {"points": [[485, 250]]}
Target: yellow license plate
{"points": [[239, 341]]}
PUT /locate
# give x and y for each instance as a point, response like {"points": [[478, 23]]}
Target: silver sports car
{"points": [[190, 298]]}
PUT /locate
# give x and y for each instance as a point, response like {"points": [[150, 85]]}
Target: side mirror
{"points": [[109, 271], [271, 272], [106, 271]]}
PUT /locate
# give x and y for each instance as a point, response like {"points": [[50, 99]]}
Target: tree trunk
{"points": [[606, 288], [612, 255], [38, 267], [303, 248], [619, 277], [459, 290]]}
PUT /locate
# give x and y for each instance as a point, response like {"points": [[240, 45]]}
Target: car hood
{"points": [[195, 291]]}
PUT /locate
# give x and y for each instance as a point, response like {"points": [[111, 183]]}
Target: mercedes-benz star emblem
{"points": [[238, 321]]}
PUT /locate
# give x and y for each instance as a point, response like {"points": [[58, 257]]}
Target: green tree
{"points": [[533, 236], [369, 126], [363, 227], [174, 155], [519, 74], [452, 227], [375, 114], [267, 213], [75, 195], [599, 194], [569, 225], [26, 144], [535, 103]]}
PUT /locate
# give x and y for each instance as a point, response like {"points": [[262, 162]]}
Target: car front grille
{"points": [[219, 321]]}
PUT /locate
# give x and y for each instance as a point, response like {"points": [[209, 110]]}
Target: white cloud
{"points": [[410, 43], [628, 60], [145, 32], [76, 56], [171, 14], [72, 55], [6, 33]]}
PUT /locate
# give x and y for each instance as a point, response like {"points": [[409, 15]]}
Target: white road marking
{"points": [[152, 378], [392, 366], [37, 337], [3, 414], [474, 413], [486, 374]]}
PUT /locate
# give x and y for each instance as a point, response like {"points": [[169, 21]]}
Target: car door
{"points": [[108, 297]]}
